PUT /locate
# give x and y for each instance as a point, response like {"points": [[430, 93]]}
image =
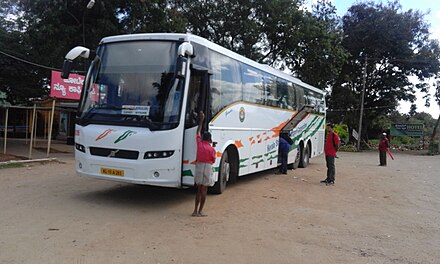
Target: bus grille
{"points": [[114, 153]]}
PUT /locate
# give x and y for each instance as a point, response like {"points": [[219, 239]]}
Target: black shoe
{"points": [[324, 181], [330, 183]]}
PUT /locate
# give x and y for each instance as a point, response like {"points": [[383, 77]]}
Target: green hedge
{"points": [[433, 148]]}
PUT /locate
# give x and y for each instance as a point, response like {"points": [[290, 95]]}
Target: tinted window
{"points": [[316, 100], [270, 88], [225, 81], [300, 100], [252, 85], [285, 92], [292, 96]]}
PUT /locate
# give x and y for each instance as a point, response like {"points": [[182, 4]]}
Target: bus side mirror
{"points": [[67, 65], [181, 67]]}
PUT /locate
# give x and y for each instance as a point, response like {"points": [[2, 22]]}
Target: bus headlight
{"points": [[158, 154], [80, 147]]}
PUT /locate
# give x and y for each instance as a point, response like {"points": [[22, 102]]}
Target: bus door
{"points": [[198, 100]]}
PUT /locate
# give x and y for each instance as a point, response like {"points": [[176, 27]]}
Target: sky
{"points": [[433, 18]]}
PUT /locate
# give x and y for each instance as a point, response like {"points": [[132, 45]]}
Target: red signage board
{"points": [[66, 88]]}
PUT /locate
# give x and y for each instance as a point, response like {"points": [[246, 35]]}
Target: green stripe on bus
{"points": [[272, 157], [257, 162], [187, 173]]}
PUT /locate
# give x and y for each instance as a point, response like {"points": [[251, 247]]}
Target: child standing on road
{"points": [[204, 161]]}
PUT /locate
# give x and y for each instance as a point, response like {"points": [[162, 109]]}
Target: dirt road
{"points": [[372, 215]]}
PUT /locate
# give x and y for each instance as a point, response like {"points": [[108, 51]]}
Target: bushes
{"points": [[348, 148], [342, 130], [433, 148]]}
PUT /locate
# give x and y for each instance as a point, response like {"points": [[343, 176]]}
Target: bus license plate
{"points": [[112, 172]]}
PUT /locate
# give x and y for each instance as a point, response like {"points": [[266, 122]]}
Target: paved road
{"points": [[372, 215]]}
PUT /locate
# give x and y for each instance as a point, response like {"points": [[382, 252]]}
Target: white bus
{"points": [[137, 118]]}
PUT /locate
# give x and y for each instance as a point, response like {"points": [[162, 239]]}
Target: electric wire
{"points": [[29, 62], [357, 109]]}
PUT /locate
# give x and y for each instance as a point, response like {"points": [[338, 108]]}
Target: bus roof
{"points": [[204, 42]]}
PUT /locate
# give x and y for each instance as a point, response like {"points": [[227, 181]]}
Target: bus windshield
{"points": [[133, 84]]}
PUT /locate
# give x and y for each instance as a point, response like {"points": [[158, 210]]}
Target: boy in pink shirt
{"points": [[205, 159]]}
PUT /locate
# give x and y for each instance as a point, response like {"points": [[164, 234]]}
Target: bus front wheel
{"points": [[223, 175]]}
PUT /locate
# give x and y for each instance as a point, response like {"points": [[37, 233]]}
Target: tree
{"points": [[390, 45], [42, 32], [150, 16], [320, 55], [437, 99], [277, 32], [16, 78]]}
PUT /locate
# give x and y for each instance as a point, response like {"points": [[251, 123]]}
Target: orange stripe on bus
{"points": [[238, 144]]}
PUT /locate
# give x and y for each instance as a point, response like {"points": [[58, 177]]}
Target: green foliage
{"points": [[404, 140], [388, 45], [433, 148], [373, 142], [316, 46], [342, 130], [348, 148], [11, 165]]}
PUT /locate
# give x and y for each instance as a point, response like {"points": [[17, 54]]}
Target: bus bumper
{"points": [[156, 172]]}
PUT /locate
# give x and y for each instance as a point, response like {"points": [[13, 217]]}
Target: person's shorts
{"points": [[203, 174]]}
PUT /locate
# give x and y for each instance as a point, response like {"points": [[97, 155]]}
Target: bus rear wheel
{"points": [[304, 162], [223, 175], [295, 164]]}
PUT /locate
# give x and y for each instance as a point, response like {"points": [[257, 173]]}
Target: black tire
{"points": [[223, 175], [304, 162], [295, 164]]}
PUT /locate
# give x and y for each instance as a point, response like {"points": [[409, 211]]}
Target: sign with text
{"points": [[415, 130], [355, 134], [66, 88]]}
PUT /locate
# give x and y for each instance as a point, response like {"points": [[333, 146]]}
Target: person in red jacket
{"points": [[330, 148], [384, 144], [204, 160]]}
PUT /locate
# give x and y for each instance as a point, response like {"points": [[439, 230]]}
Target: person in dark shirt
{"points": [[284, 147], [384, 144]]}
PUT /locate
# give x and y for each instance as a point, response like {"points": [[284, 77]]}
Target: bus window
{"points": [[300, 100], [196, 96], [201, 56], [284, 100], [252, 85], [270, 88], [317, 102], [291, 96], [225, 82]]}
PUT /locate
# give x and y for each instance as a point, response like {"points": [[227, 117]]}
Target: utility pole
{"points": [[364, 80]]}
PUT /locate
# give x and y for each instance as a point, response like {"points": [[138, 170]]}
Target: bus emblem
{"points": [[241, 114], [113, 153]]}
